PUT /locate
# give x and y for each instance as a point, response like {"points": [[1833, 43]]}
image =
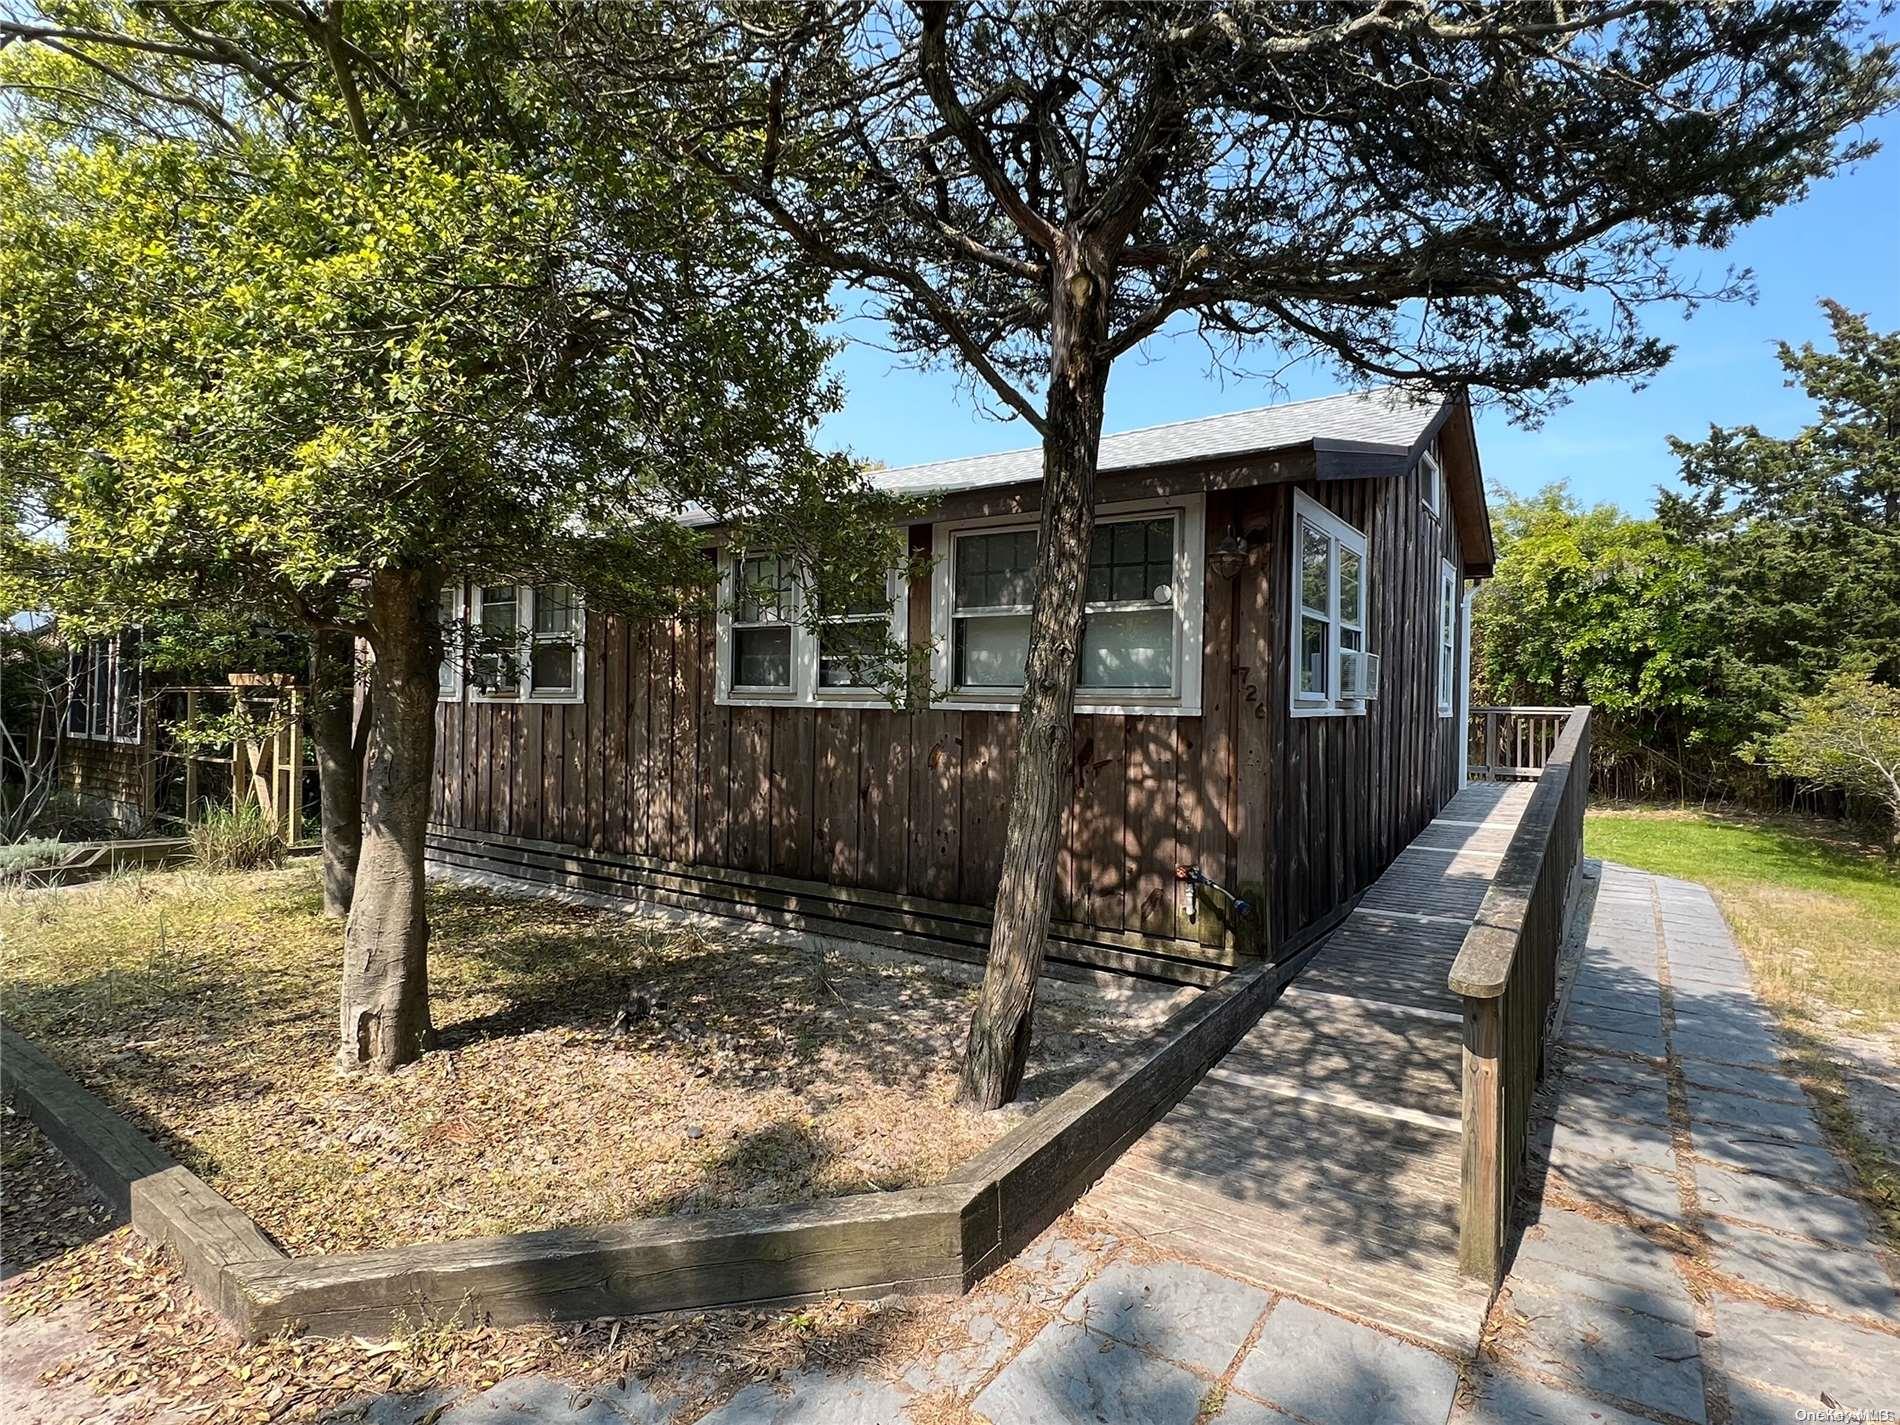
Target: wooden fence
{"points": [[1506, 972], [1513, 744]]}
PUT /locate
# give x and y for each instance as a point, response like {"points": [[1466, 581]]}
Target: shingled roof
{"points": [[1383, 419]]}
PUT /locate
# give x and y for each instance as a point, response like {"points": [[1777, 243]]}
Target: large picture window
{"points": [[1330, 596], [769, 651], [524, 643], [1140, 644]]}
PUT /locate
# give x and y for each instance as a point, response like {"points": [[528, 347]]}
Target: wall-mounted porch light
{"points": [[1229, 557]]}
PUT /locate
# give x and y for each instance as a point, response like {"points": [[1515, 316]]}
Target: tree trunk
{"points": [[1044, 782], [385, 1001], [339, 765]]}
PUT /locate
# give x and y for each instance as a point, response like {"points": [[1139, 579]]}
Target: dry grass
{"points": [[155, 1347], [1816, 910], [203, 1006]]}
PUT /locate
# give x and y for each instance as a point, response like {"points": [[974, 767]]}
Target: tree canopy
{"points": [[1448, 194], [1699, 634], [307, 308], [1804, 530]]}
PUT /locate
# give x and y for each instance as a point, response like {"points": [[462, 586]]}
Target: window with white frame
{"points": [[768, 651], [1140, 644], [1329, 597], [764, 625], [1431, 479], [524, 642], [106, 688], [853, 639], [1447, 637], [448, 677]]}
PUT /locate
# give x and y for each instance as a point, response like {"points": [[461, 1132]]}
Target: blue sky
{"points": [[1842, 242]]}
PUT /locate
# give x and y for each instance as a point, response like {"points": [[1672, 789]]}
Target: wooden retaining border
{"points": [[88, 860], [938, 1239]]}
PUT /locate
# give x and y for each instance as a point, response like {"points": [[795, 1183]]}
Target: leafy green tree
{"points": [[304, 308], [1802, 533], [1847, 735], [1447, 193], [1590, 605]]}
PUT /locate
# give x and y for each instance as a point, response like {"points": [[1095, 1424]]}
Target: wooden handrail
{"points": [[1483, 966], [1506, 975]]}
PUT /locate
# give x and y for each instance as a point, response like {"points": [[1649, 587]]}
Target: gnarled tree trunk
{"points": [[333, 727], [1044, 782], [385, 1001]]}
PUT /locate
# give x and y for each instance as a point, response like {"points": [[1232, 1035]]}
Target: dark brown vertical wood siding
{"points": [[1302, 813]]}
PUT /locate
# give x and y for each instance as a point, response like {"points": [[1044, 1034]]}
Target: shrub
{"points": [[241, 840], [35, 853]]}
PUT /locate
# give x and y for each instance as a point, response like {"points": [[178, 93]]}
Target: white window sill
{"points": [[980, 702], [1330, 710]]}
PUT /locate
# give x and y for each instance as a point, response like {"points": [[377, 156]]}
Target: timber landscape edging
{"points": [[938, 1239]]}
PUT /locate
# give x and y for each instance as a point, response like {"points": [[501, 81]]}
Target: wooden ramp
{"points": [[1320, 1157]]}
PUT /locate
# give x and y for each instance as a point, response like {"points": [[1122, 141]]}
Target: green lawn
{"points": [[1817, 913]]}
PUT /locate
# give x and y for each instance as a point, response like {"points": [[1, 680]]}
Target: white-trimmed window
{"points": [[1330, 595], [764, 626], [1431, 479], [1447, 638], [525, 642], [106, 693], [768, 652], [448, 676], [1141, 629]]}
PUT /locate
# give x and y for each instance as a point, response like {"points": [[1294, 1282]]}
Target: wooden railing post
{"points": [[1481, 1213], [1506, 974]]}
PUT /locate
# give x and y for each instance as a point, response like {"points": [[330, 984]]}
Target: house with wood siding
{"points": [[1271, 695]]}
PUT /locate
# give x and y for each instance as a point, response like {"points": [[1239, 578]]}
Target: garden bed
{"points": [[748, 1072]]}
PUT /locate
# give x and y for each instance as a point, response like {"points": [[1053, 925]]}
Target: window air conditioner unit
{"points": [[1358, 675]]}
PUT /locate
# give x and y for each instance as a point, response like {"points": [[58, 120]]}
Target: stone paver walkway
{"points": [[1694, 1256]]}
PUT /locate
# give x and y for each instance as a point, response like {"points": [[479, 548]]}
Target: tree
{"points": [[1594, 606], [1803, 532], [1435, 193], [1847, 735], [35, 687], [311, 306]]}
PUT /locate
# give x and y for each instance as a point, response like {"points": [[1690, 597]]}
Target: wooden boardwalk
{"points": [[1321, 1155]]}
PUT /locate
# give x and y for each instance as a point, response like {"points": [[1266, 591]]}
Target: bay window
{"points": [[1140, 642], [1329, 598]]}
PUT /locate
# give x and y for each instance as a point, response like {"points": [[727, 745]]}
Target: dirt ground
{"points": [[98, 1326], [592, 1067]]}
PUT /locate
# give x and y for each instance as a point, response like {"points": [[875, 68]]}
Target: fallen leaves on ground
{"points": [[740, 1072]]}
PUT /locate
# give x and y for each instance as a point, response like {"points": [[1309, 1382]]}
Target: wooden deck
{"points": [[1321, 1155]]}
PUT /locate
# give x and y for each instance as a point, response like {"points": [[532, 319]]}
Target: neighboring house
{"points": [[121, 764], [1272, 693], [108, 760]]}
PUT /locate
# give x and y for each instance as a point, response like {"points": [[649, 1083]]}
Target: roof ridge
{"points": [[1143, 430], [1255, 410]]}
